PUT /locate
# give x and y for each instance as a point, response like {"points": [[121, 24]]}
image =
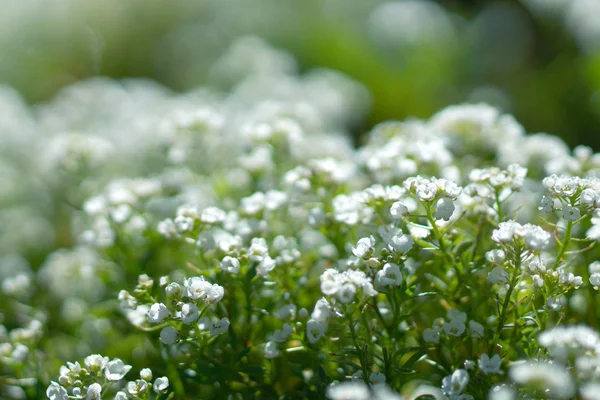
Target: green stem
{"points": [[560, 255], [504, 310], [357, 347], [499, 207]]}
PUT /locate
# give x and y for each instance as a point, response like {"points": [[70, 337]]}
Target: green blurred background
{"points": [[536, 59]]}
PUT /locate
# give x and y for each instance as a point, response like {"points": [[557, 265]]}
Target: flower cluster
{"points": [[235, 247]]}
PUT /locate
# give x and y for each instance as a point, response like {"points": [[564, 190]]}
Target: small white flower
{"points": [[454, 384], [477, 330], [315, 330], [173, 290], [271, 350], [431, 335], [212, 215], [426, 191], [258, 249], [121, 396], [138, 387], [230, 264], [588, 197], [219, 327], [161, 384], [444, 209], [189, 313], [389, 275], [546, 204], [168, 335], [146, 374], [349, 390], [398, 210], [94, 392], [214, 294], [115, 370], [455, 327], [595, 280], [497, 275], [400, 243], [197, 287], [95, 362], [56, 392], [266, 265], [346, 293], [571, 213], [490, 366], [364, 248], [158, 313]]}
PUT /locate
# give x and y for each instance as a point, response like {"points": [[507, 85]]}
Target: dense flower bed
{"points": [[239, 246]]}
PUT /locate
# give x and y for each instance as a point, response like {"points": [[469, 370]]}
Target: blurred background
{"points": [[536, 59]]}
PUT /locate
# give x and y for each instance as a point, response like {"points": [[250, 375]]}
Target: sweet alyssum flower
{"points": [[116, 369]]}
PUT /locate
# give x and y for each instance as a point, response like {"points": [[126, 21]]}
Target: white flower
{"points": [[456, 315], [364, 248], [490, 366], [95, 362], [454, 384], [444, 209], [455, 327], [282, 335], [161, 384], [495, 256], [189, 313], [546, 204], [56, 392], [398, 210], [128, 302], [214, 294], [346, 293], [477, 330], [258, 249], [266, 265], [321, 312], [212, 215], [230, 264], [426, 191], [219, 327], [349, 390], [115, 370], [120, 396], [196, 287], [173, 290], [497, 275], [271, 350], [595, 280], [94, 392], [168, 335], [146, 374], [138, 387], [315, 330], [571, 213], [400, 243], [555, 379], [389, 275], [157, 313], [431, 335], [588, 197]]}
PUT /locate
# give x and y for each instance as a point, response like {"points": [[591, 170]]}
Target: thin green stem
{"points": [[357, 348], [563, 249], [504, 310]]}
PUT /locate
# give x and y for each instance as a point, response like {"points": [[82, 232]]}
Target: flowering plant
{"points": [[246, 254]]}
